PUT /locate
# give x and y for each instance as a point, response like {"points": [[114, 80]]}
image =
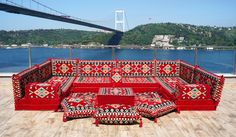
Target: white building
{"points": [[14, 45], [163, 40]]}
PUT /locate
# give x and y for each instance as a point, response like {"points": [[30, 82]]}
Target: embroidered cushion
{"points": [[64, 82], [78, 105], [215, 82], [63, 67], [136, 68], [167, 68], [95, 68], [116, 114], [193, 91], [186, 72], [170, 83], [43, 90], [153, 105]]}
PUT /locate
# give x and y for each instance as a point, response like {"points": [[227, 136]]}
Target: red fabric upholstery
{"points": [[52, 88], [215, 82], [63, 67], [193, 91], [116, 114], [139, 80], [95, 68], [92, 80], [136, 68], [186, 72], [64, 82], [78, 105], [43, 90], [150, 104], [170, 82], [57, 79], [116, 75], [21, 79], [167, 68], [45, 71], [115, 96]]}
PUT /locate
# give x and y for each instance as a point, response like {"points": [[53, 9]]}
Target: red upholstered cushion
{"points": [[167, 68], [21, 79], [64, 82], [45, 70], [88, 97], [139, 80], [136, 68], [57, 79], [186, 72], [194, 91], [116, 114], [79, 105], [116, 76], [170, 82], [92, 80], [62, 67], [95, 68], [43, 90], [215, 82], [152, 105]]}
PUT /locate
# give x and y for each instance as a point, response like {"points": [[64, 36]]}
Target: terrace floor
{"points": [[188, 123]]}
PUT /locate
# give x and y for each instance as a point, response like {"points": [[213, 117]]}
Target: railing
{"points": [[202, 56]]}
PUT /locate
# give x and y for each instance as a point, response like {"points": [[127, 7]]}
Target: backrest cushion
{"points": [[186, 72], [95, 68], [21, 79], [136, 68], [64, 67], [167, 68], [215, 82], [45, 71]]}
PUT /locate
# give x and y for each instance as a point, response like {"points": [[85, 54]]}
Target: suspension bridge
{"points": [[49, 13]]}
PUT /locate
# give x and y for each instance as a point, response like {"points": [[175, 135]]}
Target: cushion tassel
{"points": [[141, 123], [155, 119]]}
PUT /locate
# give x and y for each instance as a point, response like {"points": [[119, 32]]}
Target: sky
{"points": [[102, 12]]}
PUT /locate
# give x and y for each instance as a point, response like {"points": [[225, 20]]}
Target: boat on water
{"points": [[8, 47]]}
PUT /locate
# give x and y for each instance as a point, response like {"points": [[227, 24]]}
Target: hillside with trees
{"points": [[53, 37], [140, 35], [193, 35]]}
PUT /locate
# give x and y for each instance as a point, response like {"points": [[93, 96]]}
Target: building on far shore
{"points": [[166, 41], [163, 41], [13, 45]]}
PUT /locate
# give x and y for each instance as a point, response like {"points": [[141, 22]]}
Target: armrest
{"points": [[43, 90], [193, 91]]}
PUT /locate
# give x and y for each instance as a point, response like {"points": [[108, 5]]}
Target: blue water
{"points": [[218, 61]]}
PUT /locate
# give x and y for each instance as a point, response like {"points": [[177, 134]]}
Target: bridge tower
{"points": [[120, 20]]}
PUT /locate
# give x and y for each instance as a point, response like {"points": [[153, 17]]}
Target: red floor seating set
{"points": [[116, 91]]}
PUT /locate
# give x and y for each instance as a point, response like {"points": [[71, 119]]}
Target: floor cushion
{"points": [[117, 114], [78, 105], [65, 82], [152, 105], [139, 80], [92, 81], [170, 82], [50, 89]]}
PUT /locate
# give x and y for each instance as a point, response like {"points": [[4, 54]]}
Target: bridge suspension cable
{"points": [[14, 7]]}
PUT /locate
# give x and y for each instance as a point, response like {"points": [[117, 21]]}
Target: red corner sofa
{"points": [[44, 86]]}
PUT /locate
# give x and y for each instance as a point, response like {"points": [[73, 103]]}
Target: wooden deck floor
{"points": [[189, 123]]}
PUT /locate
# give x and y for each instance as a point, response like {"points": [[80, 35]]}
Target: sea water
{"points": [[17, 59]]}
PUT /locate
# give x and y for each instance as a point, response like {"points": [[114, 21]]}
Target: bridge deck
{"points": [[40, 14], [46, 123]]}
